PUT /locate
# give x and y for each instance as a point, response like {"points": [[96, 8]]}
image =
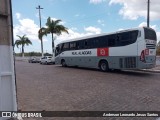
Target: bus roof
{"points": [[98, 35]]}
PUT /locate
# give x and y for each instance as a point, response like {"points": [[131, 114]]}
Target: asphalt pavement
{"points": [[54, 88]]}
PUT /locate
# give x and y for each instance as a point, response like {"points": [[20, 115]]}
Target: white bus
{"points": [[126, 49]]}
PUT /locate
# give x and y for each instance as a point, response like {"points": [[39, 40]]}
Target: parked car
{"points": [[38, 60], [47, 60], [33, 60]]}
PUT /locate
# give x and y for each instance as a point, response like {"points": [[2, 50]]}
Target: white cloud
{"points": [[120, 29], [101, 22], [96, 1], [144, 24], [92, 29], [74, 28], [62, 22], [133, 9], [77, 15], [18, 15], [26, 27]]}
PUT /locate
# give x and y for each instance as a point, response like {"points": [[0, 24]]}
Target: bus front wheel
{"points": [[104, 66], [63, 63]]}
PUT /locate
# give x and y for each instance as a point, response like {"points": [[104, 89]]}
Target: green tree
{"points": [[54, 27], [41, 33], [23, 40], [158, 48], [158, 44]]}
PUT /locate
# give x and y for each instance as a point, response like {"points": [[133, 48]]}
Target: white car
{"points": [[47, 60]]}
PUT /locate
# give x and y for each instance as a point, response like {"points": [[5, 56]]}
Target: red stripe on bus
{"points": [[102, 51]]}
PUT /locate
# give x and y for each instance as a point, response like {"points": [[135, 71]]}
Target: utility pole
{"points": [[39, 8], [148, 10]]}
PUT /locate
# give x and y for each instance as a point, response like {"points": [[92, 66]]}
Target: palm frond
{"points": [[23, 40], [17, 43], [48, 21], [42, 32], [57, 21]]}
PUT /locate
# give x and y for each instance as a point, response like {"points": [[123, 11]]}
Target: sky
{"points": [[81, 17]]}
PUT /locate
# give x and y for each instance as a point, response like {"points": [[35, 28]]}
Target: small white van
{"points": [[47, 60]]}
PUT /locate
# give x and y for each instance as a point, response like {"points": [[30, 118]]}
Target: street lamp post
{"points": [[39, 8], [148, 10]]}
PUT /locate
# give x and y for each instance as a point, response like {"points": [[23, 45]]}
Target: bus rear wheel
{"points": [[104, 66], [63, 63]]}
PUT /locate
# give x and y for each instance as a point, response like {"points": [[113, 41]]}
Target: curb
{"points": [[149, 70]]}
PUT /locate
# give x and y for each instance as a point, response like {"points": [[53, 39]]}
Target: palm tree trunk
{"points": [[52, 45], [22, 51], [42, 47]]}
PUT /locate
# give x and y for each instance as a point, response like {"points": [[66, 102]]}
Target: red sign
{"points": [[146, 51], [103, 52]]}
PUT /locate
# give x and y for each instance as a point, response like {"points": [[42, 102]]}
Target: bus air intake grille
{"points": [[121, 62], [150, 46], [130, 62]]}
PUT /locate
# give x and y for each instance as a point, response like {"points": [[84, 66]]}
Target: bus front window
{"points": [[57, 51]]}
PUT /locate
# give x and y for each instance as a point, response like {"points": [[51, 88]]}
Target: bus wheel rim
{"points": [[103, 66]]}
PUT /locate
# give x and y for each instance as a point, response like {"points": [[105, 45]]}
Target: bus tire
{"points": [[63, 63], [103, 65]]}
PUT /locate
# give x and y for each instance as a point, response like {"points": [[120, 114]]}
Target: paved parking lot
{"points": [[54, 88]]}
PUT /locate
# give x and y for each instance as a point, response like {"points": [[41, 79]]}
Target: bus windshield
{"points": [[150, 34]]}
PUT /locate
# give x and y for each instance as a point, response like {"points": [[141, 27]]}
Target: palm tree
{"points": [[54, 27], [22, 41], [41, 33]]}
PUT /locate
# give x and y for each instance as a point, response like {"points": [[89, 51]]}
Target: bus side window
{"points": [[134, 35], [126, 36], [77, 45], [96, 43], [111, 40], [65, 47], [124, 39], [91, 43], [103, 41], [73, 46], [118, 39], [81, 44], [86, 44], [62, 47]]}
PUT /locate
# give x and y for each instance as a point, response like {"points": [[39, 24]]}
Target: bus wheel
{"points": [[104, 66], [63, 63]]}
